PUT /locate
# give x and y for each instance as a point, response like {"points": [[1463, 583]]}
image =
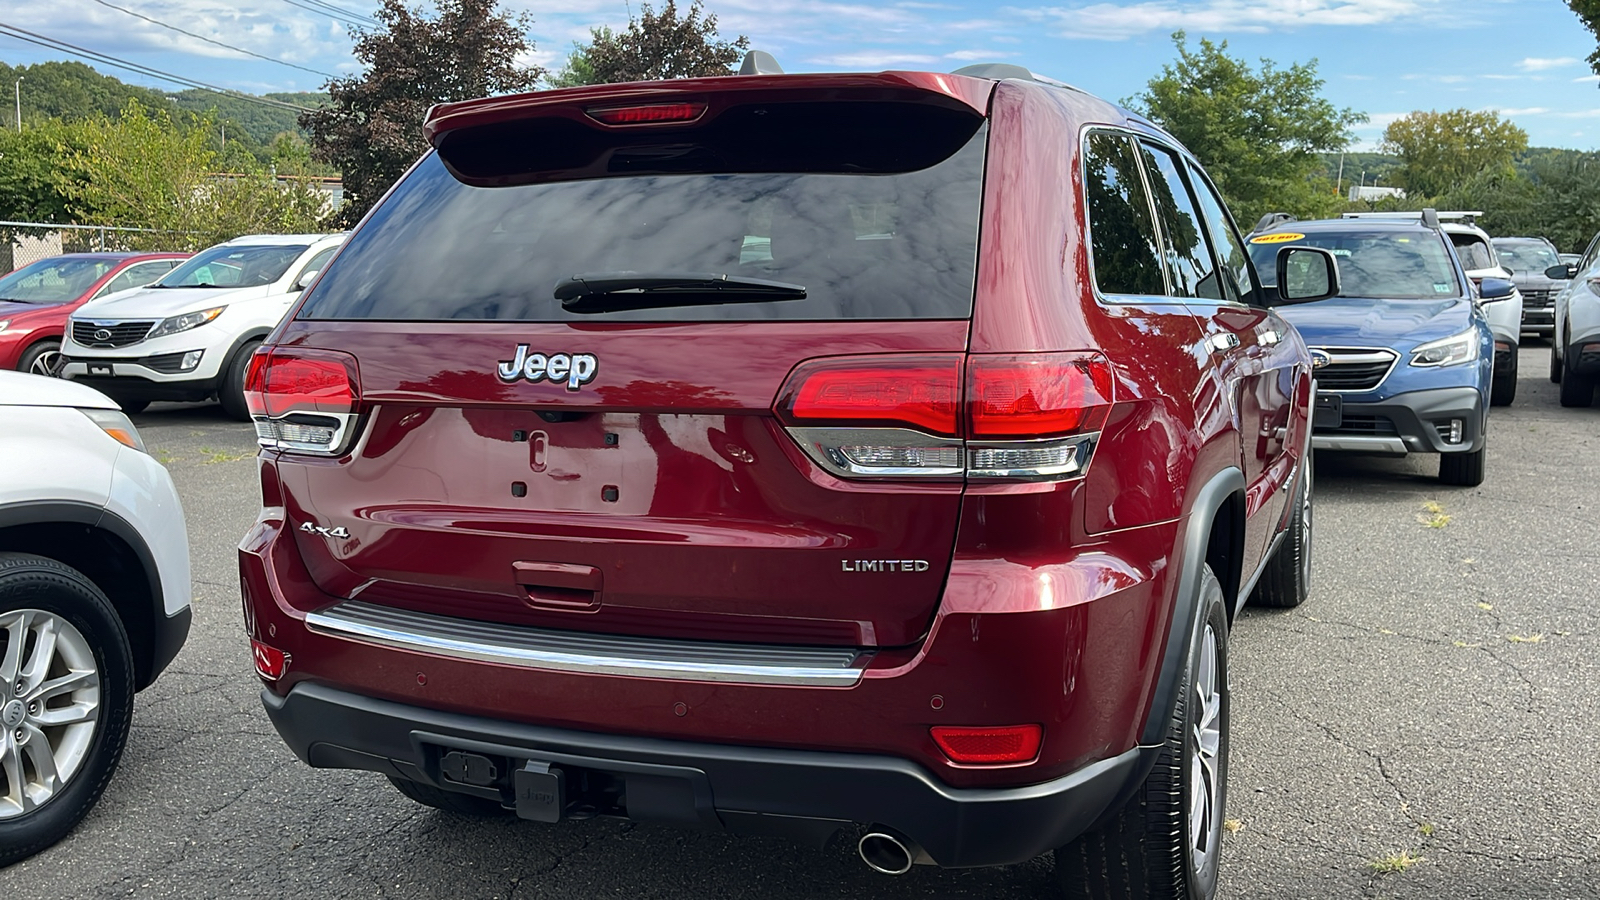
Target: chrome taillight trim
{"points": [[268, 431], [599, 654], [1080, 449], [823, 446]]}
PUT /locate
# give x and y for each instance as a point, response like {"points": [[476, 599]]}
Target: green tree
{"points": [[1440, 151], [1259, 132], [1589, 12], [655, 46], [372, 129], [33, 177]]}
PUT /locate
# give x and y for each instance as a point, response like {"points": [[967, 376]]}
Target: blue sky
{"points": [[1523, 58]]}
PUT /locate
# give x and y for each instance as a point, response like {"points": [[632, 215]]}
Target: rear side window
{"points": [[873, 245], [1194, 273], [1235, 282], [1474, 252], [1122, 235]]}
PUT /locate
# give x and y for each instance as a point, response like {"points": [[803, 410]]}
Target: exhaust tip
{"points": [[884, 853]]}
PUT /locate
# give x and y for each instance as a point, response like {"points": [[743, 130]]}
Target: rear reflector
{"points": [[1037, 394], [647, 114], [923, 392], [989, 746], [271, 662]]}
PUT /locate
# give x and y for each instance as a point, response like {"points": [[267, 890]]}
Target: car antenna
{"points": [[760, 62]]}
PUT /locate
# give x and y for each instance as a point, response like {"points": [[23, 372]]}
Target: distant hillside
{"points": [[72, 90], [1381, 168]]}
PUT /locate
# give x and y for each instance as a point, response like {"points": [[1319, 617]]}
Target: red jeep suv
{"points": [[788, 454]]}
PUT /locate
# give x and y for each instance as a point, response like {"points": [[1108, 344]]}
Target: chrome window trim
{"points": [[597, 654]]}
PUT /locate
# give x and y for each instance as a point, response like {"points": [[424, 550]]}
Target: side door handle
{"points": [[1223, 341]]}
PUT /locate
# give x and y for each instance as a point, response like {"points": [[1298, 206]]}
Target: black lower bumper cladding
{"points": [[795, 793]]}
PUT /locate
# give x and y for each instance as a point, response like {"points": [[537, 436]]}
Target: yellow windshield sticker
{"points": [[1280, 238]]}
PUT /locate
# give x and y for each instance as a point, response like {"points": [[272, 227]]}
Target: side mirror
{"points": [[1307, 274], [1562, 272], [1493, 289], [306, 278]]}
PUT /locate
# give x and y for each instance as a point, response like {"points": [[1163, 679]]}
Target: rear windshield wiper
{"points": [[601, 292]]}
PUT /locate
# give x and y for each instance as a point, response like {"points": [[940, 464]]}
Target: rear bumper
{"points": [[1417, 422], [795, 793]]}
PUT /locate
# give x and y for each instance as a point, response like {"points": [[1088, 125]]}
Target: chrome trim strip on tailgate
{"points": [[573, 651]]}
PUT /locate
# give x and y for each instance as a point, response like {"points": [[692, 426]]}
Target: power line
{"points": [[332, 7], [21, 34], [340, 17], [210, 40]]}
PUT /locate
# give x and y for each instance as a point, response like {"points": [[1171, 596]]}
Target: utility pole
{"points": [[1338, 187], [17, 87]]}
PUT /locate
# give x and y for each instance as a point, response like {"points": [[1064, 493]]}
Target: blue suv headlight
{"points": [[1451, 351]]}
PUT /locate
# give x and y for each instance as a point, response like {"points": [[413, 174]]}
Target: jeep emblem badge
{"points": [[1320, 359], [576, 369]]}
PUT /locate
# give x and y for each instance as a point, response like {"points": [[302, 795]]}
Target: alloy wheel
{"points": [[49, 707], [1205, 743], [47, 363]]}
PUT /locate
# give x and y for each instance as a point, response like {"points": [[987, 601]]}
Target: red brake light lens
{"points": [[989, 746], [922, 392], [1034, 395], [280, 381], [270, 662], [648, 114]]}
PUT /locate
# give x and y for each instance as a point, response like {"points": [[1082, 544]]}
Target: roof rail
{"points": [[1003, 71], [1429, 217], [1274, 218], [760, 62]]}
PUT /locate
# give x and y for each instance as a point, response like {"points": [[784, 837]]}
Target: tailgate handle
{"points": [[559, 585]]}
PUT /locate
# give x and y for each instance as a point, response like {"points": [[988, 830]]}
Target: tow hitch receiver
{"points": [[541, 792]]}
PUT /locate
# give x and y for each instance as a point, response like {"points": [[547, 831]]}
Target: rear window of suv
{"points": [[869, 245]]}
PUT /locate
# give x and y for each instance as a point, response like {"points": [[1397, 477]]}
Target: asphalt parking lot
{"points": [[1421, 728]]}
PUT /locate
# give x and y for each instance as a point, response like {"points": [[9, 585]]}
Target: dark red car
{"points": [[36, 299], [788, 454]]}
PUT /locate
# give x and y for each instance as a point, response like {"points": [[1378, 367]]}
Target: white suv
{"points": [[94, 599], [189, 336]]}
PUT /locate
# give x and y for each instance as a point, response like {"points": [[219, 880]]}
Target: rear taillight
{"points": [[989, 746], [1030, 416], [302, 400], [647, 113]]}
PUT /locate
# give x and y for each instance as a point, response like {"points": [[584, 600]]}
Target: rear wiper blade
{"points": [[600, 292]]}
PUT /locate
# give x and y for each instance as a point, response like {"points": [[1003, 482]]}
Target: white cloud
{"points": [[1540, 64], [1114, 21], [1379, 121], [1587, 78], [979, 55], [868, 60], [1510, 112]]}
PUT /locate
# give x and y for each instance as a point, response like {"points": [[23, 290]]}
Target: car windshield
{"points": [[234, 265], [1390, 265], [51, 281], [1527, 257]]}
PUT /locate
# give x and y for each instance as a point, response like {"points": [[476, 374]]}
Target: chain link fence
{"points": [[22, 243]]}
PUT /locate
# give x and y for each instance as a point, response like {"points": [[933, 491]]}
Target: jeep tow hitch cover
{"points": [[541, 792]]}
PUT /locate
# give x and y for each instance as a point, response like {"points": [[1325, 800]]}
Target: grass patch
{"points": [[1433, 515], [221, 456], [1425, 829], [164, 456], [1525, 638], [1485, 606], [1232, 826], [1394, 862]]}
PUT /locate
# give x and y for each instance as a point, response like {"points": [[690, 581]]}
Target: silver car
{"points": [[1528, 258]]}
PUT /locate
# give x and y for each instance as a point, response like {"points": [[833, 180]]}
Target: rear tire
{"points": [[133, 407], [1576, 390], [1555, 362], [1503, 389], [449, 801], [75, 706], [230, 392], [1286, 582], [1166, 843]]}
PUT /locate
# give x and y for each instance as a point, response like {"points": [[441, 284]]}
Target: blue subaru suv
{"points": [[1403, 355]]}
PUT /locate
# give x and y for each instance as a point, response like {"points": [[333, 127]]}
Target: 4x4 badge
{"points": [[338, 532], [576, 369]]}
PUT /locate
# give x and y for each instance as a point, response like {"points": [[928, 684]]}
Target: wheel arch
{"points": [[110, 553]]}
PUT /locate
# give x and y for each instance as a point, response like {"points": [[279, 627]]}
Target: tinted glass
{"points": [[136, 276], [231, 265], [1527, 256], [53, 280], [1194, 273], [1392, 265], [1235, 280], [1121, 232], [1474, 252], [883, 246], [317, 262]]}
